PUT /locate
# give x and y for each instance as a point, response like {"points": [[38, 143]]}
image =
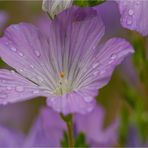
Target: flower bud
{"points": [[54, 7]]}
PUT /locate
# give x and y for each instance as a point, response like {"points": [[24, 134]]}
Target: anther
{"points": [[62, 74]]}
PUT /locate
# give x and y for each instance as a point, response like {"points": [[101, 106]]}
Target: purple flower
{"points": [[133, 137], [92, 125], [134, 15], [130, 74], [3, 19], [68, 66], [48, 130], [10, 138], [110, 16]]}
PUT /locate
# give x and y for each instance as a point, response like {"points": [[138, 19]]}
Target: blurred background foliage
{"points": [[125, 97]]}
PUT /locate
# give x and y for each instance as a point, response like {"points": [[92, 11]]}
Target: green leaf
{"points": [[85, 3], [64, 141], [123, 131], [79, 141]]}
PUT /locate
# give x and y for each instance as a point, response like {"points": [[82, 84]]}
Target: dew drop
{"points": [[21, 54], [15, 27], [13, 49], [35, 91], [102, 72], [88, 99], [37, 53], [95, 65], [12, 71], [21, 70], [9, 88], [129, 22], [19, 88], [130, 12], [31, 66], [113, 56], [111, 61]]}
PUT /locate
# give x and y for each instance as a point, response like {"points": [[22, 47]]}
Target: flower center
{"points": [[62, 86]]}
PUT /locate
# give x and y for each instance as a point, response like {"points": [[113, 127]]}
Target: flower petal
{"points": [[24, 48], [107, 57], [74, 102], [54, 7], [91, 124], [10, 138], [14, 88], [48, 130], [134, 15]]}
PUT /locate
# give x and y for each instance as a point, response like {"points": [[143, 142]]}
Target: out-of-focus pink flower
{"points": [[134, 15], [10, 138], [111, 17], [3, 19], [49, 128], [92, 125]]}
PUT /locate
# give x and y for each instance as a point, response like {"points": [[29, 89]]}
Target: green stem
{"points": [[69, 123]]}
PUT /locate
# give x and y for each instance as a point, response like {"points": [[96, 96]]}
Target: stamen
{"points": [[62, 74]]}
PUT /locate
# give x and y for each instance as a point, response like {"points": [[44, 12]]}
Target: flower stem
{"points": [[69, 123]]}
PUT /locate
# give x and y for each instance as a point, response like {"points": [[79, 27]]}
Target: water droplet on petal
{"points": [[31, 66], [88, 98], [37, 53], [129, 21], [9, 88], [15, 27], [95, 65], [21, 70], [35, 91], [102, 72], [12, 71], [19, 88], [130, 12], [13, 49], [21, 54], [113, 56], [111, 61]]}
